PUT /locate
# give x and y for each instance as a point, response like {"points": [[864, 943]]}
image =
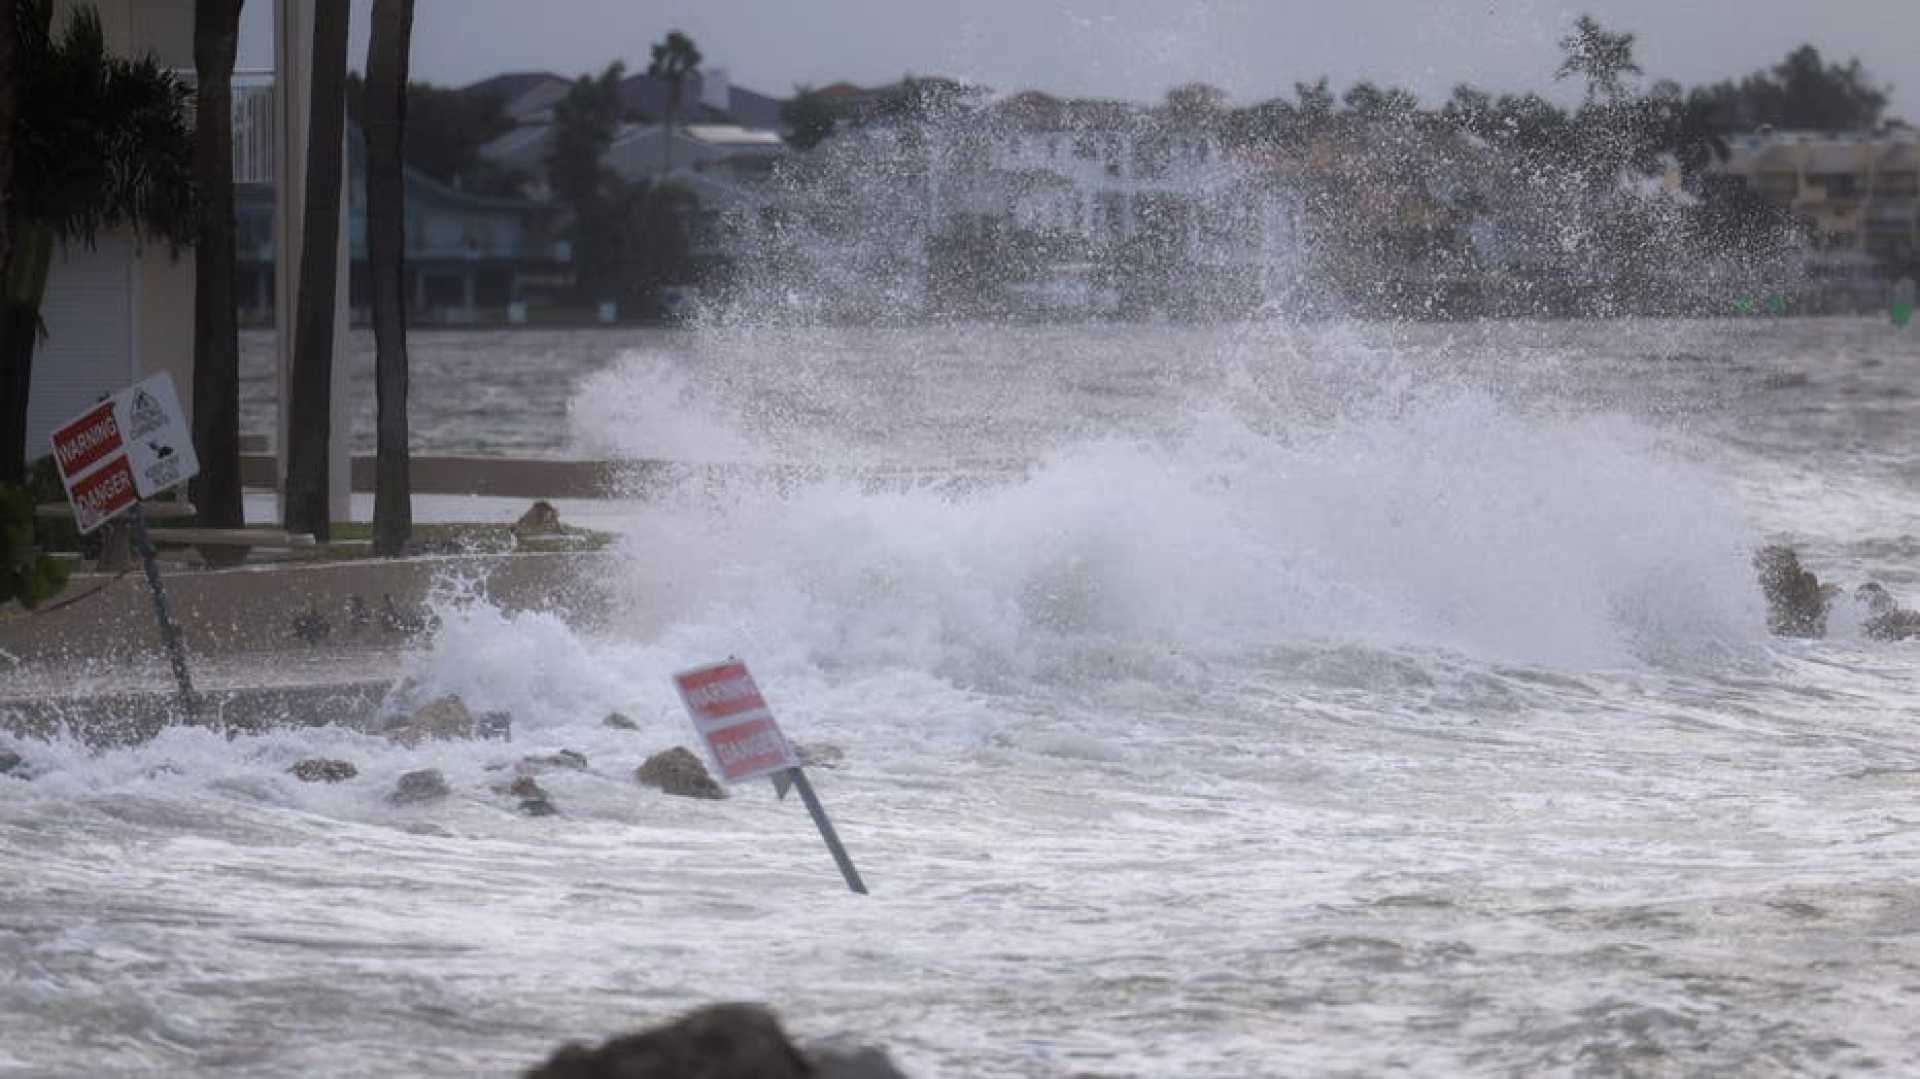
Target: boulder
{"points": [[12, 764], [494, 726], [678, 771], [1797, 603], [533, 797], [540, 520], [443, 719], [323, 770], [426, 785], [723, 1041], [1885, 619], [619, 722]]}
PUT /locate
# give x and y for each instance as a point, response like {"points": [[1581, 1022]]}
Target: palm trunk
{"points": [[25, 286], [216, 340], [310, 417], [13, 384], [386, 117]]}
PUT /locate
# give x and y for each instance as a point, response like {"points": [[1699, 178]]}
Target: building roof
{"points": [[644, 95]]}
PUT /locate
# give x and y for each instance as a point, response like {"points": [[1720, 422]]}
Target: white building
{"points": [[122, 310]]}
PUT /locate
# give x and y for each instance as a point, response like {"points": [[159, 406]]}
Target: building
{"points": [[1857, 193], [121, 311], [468, 257], [118, 311]]}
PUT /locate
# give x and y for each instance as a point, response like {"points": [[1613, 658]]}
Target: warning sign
{"points": [[732, 717], [103, 494], [132, 446]]}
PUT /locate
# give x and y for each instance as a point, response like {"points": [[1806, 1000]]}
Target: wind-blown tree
{"points": [[386, 126], [808, 119], [584, 123], [1803, 91], [674, 59], [309, 418], [99, 142], [1598, 57], [216, 336]]}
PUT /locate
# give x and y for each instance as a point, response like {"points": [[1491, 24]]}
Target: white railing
{"points": [[254, 127]]}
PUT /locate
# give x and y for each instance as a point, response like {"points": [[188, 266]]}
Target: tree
{"points": [[674, 59], [1801, 92], [584, 123], [310, 416], [446, 128], [387, 52], [99, 142], [1196, 106], [808, 119], [216, 333], [1599, 57]]}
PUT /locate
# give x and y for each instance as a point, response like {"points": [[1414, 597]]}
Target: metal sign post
{"points": [[163, 611], [743, 739], [827, 833]]}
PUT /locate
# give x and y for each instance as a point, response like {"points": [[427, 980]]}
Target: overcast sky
{"points": [[1254, 49]]}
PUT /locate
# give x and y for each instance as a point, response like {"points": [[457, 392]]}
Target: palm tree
{"points": [[98, 142], [673, 60], [310, 417], [216, 338], [386, 113]]}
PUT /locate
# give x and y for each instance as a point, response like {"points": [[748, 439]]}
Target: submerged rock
{"points": [[1797, 603], [533, 797], [426, 785], [323, 770], [723, 1041], [820, 755], [678, 771], [13, 764], [619, 722], [494, 726], [443, 719], [566, 760]]}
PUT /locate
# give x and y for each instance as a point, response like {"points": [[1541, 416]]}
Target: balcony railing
{"points": [[255, 123]]}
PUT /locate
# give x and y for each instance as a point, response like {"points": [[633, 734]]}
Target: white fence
{"points": [[254, 123]]}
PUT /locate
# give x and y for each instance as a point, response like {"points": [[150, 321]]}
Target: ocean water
{"points": [[1215, 701]]}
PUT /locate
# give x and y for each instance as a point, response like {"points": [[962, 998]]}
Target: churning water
{"points": [[1254, 700]]}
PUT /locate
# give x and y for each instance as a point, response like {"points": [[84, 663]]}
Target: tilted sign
{"points": [[131, 446], [732, 717]]}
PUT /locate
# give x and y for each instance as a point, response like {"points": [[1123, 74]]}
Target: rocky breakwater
{"points": [[1799, 603]]}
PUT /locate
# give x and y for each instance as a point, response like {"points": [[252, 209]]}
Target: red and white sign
{"points": [[131, 446], [732, 717]]}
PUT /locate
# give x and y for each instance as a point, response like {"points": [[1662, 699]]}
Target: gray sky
{"points": [[1139, 48]]}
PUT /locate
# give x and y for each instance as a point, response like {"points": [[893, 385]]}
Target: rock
{"points": [[533, 797], [1797, 603], [541, 520], [619, 722], [426, 785], [566, 760], [1886, 620], [405, 623], [862, 1063], [820, 755], [495, 726], [13, 764], [725, 1041], [678, 771], [323, 770], [444, 719]]}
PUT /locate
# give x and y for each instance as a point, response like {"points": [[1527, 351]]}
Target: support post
{"points": [[163, 612], [799, 777]]}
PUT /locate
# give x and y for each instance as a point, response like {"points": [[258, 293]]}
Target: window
{"points": [[1777, 186], [1897, 185], [1839, 185]]}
